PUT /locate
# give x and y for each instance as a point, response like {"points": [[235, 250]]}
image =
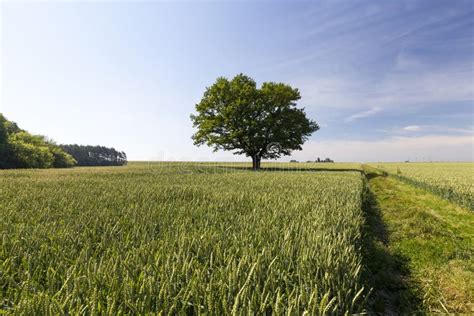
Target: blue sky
{"points": [[386, 80]]}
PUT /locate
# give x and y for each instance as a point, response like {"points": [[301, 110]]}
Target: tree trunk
{"points": [[256, 159]]}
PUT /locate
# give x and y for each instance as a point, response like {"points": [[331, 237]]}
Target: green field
{"points": [[453, 181], [210, 238], [228, 167], [153, 238]]}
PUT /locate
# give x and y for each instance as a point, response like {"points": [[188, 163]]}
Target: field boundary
{"points": [[446, 194], [419, 252], [393, 290]]}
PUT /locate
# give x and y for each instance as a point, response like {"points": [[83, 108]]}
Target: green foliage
{"points": [[11, 127], [237, 116], [30, 151], [20, 149], [3, 129], [148, 239], [61, 158], [4, 146]]}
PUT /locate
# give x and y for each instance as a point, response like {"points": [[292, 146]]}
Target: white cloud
{"points": [[435, 129], [396, 90], [412, 128], [431, 147], [363, 114]]}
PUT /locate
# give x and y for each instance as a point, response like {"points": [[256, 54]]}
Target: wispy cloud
{"points": [[417, 86], [429, 147], [412, 128], [437, 129], [388, 55], [363, 114]]}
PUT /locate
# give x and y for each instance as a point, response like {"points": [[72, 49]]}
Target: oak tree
{"points": [[261, 123]]}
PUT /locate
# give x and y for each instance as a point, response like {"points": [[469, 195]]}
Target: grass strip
{"points": [[421, 255]]}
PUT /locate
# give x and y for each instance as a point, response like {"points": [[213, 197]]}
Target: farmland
{"points": [[228, 167], [146, 238], [217, 238], [453, 181]]}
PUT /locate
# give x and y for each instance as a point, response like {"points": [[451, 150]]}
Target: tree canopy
{"points": [[20, 149], [263, 123]]}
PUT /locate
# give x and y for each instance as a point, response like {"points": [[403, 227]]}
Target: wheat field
{"points": [[153, 239]]}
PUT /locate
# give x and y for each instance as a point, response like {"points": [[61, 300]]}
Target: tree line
{"points": [[317, 160], [21, 149], [96, 155]]}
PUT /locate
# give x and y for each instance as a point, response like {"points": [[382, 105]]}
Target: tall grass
{"points": [[139, 240]]}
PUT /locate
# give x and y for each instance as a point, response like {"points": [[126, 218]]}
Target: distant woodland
{"points": [[95, 155], [21, 149]]}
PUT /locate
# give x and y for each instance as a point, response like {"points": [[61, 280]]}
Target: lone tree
{"points": [[261, 123]]}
